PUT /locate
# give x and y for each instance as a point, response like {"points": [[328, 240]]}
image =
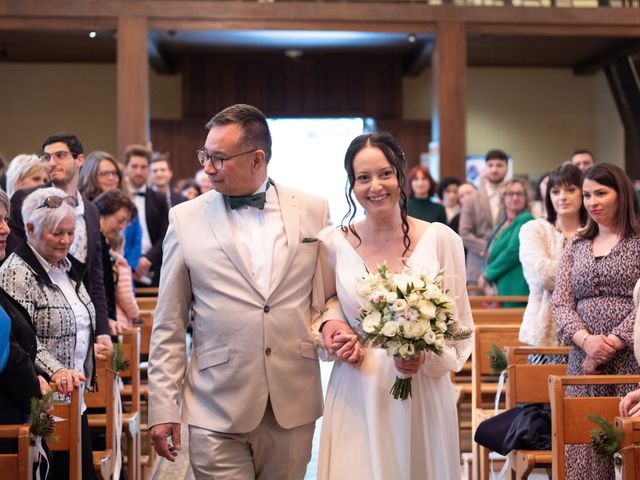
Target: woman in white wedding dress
{"points": [[366, 434]]}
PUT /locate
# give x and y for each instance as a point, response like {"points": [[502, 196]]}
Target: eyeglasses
{"points": [[108, 174], [217, 160], [55, 202], [61, 155], [514, 194]]}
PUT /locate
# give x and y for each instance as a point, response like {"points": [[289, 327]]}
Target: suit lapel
{"points": [[218, 218], [290, 211]]}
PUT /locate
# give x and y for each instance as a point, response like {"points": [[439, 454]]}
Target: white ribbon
{"points": [[503, 376], [118, 411], [37, 453], [496, 409]]}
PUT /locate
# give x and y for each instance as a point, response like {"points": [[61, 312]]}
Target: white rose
{"points": [[441, 326], [371, 321], [413, 298], [391, 297], [400, 305], [430, 337], [412, 330], [390, 329], [427, 309], [406, 351], [432, 291], [439, 341], [417, 283]]}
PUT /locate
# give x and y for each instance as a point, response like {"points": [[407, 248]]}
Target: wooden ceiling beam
{"points": [[419, 60], [611, 55]]}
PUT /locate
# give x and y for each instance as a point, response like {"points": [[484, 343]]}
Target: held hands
{"points": [[115, 328], [103, 346], [66, 380], [44, 385], [340, 341], [411, 366], [142, 270], [630, 404], [160, 435]]}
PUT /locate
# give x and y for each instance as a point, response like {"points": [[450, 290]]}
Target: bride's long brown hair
{"points": [[395, 156]]}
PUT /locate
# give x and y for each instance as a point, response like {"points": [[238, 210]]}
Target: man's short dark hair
{"points": [[583, 151], [69, 139], [136, 151], [160, 157], [496, 154], [253, 123]]}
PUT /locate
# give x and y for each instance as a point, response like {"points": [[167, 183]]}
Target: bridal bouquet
{"points": [[407, 313]]}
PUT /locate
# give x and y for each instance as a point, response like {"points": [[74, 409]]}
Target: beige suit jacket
{"points": [[247, 347]]}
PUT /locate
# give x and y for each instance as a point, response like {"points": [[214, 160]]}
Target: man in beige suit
{"points": [[244, 257], [481, 212]]}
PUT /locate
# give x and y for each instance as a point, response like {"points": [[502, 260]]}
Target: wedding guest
{"points": [[504, 270], [448, 194], [366, 433], [538, 207], [20, 379], [127, 311], [465, 191], [116, 211], [99, 173], [630, 404], [190, 190], [592, 301], [25, 171], [47, 282], [583, 159], [422, 188], [482, 212], [161, 175], [542, 242], [202, 180]]}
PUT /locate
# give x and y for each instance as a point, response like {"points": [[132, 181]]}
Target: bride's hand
{"points": [[335, 334], [411, 366], [351, 350]]}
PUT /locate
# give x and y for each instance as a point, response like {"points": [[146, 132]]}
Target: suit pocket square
{"points": [[309, 240]]}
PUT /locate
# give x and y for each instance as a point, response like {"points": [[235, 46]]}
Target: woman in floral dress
{"points": [[593, 299]]}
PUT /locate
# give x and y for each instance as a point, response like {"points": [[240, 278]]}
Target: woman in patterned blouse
{"points": [[593, 298]]}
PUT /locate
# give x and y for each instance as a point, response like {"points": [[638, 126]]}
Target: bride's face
{"points": [[376, 186]]}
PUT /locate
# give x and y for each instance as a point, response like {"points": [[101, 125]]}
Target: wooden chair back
{"points": [[495, 301], [18, 465], [146, 325], [629, 463], [529, 383], [147, 291], [569, 422], [68, 431], [497, 316], [130, 348], [146, 303]]}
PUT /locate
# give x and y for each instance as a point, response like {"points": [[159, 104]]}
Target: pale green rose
{"points": [[427, 309], [406, 351], [390, 329], [412, 330], [430, 337], [439, 341], [371, 321]]}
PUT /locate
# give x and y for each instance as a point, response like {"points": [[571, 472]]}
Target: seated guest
{"points": [[25, 171], [20, 379], [504, 269], [116, 210], [422, 188], [189, 189], [448, 194], [541, 244], [127, 311], [47, 282]]}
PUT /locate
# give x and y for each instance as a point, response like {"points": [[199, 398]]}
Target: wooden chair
{"points": [[147, 291], [480, 301], [146, 325], [68, 431], [104, 398], [497, 316], [629, 455], [484, 382], [131, 419], [16, 465], [529, 384], [146, 303], [569, 422]]}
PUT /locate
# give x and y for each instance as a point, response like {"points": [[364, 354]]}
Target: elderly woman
{"points": [[20, 379], [47, 282], [504, 269], [116, 211], [25, 171]]}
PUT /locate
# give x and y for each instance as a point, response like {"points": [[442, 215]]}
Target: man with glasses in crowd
{"points": [[244, 258], [63, 155]]}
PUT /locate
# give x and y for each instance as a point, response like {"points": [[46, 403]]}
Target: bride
{"points": [[366, 434]]}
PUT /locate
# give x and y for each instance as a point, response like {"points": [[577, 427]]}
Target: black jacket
{"points": [[94, 280], [157, 216]]}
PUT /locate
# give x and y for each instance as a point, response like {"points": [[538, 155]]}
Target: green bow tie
{"points": [[256, 200]]}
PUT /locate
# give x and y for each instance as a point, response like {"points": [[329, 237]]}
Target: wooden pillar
{"points": [[133, 82], [449, 103]]}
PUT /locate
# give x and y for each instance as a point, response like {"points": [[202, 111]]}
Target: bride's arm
{"points": [[451, 258]]}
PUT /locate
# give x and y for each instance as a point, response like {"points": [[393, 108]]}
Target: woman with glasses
{"points": [[47, 282], [504, 270]]}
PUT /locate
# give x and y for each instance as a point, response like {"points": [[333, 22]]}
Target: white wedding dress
{"points": [[366, 433]]}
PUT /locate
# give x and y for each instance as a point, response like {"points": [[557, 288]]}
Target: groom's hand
{"points": [[160, 434]]}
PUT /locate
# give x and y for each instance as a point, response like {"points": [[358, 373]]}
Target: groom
{"points": [[244, 258]]}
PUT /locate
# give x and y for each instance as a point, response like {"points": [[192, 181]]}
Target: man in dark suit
{"points": [[161, 175], [153, 214], [64, 156]]}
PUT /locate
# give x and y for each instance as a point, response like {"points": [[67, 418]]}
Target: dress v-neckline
{"points": [[368, 268]]}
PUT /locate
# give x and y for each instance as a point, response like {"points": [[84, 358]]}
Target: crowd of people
{"points": [[267, 286]]}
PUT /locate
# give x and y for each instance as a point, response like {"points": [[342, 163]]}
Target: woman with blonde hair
{"points": [[25, 171]]}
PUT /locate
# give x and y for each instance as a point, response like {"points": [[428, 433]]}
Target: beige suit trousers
{"points": [[269, 452]]}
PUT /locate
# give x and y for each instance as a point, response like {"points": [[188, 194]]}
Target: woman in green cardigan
{"points": [[503, 268], [422, 188]]}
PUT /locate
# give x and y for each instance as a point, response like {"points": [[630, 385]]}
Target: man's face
{"points": [[137, 170], [239, 174], [161, 174], [63, 168], [496, 170], [583, 161]]}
